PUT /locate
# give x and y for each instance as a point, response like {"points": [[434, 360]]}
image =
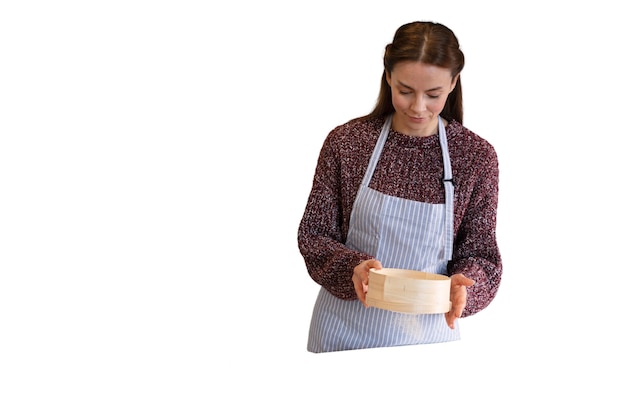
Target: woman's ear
{"points": [[388, 77], [454, 80]]}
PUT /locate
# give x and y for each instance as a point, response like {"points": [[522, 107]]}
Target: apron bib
{"points": [[401, 233]]}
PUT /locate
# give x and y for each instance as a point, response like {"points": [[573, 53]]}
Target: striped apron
{"points": [[400, 233]]}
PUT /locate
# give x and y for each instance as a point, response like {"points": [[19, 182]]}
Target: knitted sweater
{"points": [[411, 168]]}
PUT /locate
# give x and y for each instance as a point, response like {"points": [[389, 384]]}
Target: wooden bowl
{"points": [[408, 291]]}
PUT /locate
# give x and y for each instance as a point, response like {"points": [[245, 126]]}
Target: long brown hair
{"points": [[430, 43]]}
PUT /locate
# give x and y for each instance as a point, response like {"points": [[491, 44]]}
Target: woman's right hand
{"points": [[360, 277]]}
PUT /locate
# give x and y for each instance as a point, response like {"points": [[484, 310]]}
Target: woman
{"points": [[407, 186]]}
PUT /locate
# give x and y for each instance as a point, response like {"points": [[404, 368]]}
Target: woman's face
{"points": [[419, 92]]}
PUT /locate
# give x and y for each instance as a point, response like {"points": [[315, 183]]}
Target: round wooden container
{"points": [[408, 291]]}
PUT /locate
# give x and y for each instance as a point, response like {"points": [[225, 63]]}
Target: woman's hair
{"points": [[428, 43]]}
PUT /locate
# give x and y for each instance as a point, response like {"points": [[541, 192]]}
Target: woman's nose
{"points": [[418, 105]]}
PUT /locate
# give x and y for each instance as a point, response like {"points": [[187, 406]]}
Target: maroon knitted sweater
{"points": [[411, 168]]}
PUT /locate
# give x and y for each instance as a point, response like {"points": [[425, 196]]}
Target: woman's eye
{"points": [[405, 92], [433, 97]]}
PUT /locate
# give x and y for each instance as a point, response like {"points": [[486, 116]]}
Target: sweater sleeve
{"points": [[476, 253], [322, 232]]}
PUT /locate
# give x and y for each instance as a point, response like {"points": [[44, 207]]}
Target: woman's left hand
{"points": [[458, 296]]}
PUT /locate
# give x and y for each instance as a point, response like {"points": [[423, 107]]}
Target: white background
{"points": [[155, 160]]}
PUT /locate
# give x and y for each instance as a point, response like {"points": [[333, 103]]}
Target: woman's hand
{"points": [[458, 296], [360, 277]]}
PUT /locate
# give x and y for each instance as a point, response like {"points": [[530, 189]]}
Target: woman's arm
{"points": [[321, 234], [476, 253]]}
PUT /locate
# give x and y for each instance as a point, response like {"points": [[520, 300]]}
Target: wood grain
{"points": [[408, 291]]}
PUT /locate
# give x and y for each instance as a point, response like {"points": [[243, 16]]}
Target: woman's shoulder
{"points": [[468, 141], [356, 132], [358, 125]]}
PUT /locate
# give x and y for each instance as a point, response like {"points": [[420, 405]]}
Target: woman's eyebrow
{"points": [[406, 86]]}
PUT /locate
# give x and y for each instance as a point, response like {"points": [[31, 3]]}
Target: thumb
{"points": [[375, 264], [461, 280]]}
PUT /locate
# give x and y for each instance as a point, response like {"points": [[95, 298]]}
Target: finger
{"points": [[359, 293], [358, 287], [456, 310], [458, 306], [468, 282], [376, 265], [364, 290], [464, 281], [450, 318]]}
